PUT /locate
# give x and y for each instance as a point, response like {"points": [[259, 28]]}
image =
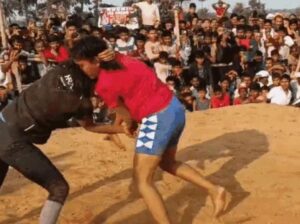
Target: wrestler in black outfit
{"points": [[64, 92]]}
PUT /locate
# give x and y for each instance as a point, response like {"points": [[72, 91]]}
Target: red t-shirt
{"points": [[237, 101], [220, 11], [137, 85], [245, 43], [223, 102], [63, 54]]}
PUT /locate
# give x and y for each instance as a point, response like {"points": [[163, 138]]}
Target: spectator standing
{"points": [[150, 13]]}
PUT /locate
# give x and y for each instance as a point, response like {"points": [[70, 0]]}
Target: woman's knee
{"points": [[59, 191]]}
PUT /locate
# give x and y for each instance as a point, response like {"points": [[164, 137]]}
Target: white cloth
{"points": [[150, 13], [296, 90], [152, 49], [162, 71], [278, 96]]}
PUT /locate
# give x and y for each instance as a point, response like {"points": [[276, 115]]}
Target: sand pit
{"points": [[253, 150]]}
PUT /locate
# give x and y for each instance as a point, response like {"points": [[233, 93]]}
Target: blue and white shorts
{"points": [[161, 131]]}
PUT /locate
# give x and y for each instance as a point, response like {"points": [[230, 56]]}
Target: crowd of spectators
{"points": [[212, 63]]}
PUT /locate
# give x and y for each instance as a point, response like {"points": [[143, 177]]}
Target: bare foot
{"points": [[220, 200]]}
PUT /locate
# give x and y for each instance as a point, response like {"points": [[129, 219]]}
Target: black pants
{"points": [[17, 152]]}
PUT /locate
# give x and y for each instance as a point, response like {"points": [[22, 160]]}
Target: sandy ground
{"points": [[253, 150]]}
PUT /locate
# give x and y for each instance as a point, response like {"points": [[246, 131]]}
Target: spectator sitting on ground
{"points": [[281, 95], [201, 68], [262, 78], [125, 44], [262, 98], [57, 52], [172, 83], [181, 75], [13, 54], [220, 99], [202, 102], [162, 67], [168, 45], [254, 93], [275, 80], [25, 74], [140, 52], [189, 101], [196, 84], [243, 95], [152, 45]]}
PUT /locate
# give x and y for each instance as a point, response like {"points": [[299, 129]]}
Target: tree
{"points": [[238, 8], [203, 13]]}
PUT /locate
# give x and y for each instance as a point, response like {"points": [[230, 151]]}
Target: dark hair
{"points": [[202, 89], [265, 88], [23, 58], [71, 23], [3, 87], [269, 58], [225, 79], [89, 47], [255, 87], [274, 52], [268, 21], [246, 74], [276, 75], [282, 29], [193, 5], [233, 15], [14, 24], [163, 55], [166, 33], [217, 89], [258, 53], [199, 54], [175, 80], [285, 76], [53, 38], [123, 29], [175, 63], [16, 39], [293, 21], [140, 37], [240, 27]]}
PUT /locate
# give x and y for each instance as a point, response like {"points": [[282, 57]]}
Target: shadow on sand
{"points": [[242, 148]]}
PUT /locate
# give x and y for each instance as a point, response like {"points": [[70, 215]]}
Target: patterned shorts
{"points": [[161, 131]]}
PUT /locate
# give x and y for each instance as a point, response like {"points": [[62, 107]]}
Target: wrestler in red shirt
{"points": [[128, 86]]}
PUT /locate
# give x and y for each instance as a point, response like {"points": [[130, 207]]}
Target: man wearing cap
{"points": [[263, 78]]}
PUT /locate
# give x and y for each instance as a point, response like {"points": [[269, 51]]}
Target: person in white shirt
{"points": [[150, 12], [162, 67], [295, 84], [281, 95]]}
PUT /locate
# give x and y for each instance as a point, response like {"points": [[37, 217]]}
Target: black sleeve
{"points": [[85, 109]]}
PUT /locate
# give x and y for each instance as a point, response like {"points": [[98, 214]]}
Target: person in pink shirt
{"points": [[133, 91], [57, 52]]}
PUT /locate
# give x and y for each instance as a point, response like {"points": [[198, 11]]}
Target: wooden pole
{"points": [[176, 27], [2, 26]]}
